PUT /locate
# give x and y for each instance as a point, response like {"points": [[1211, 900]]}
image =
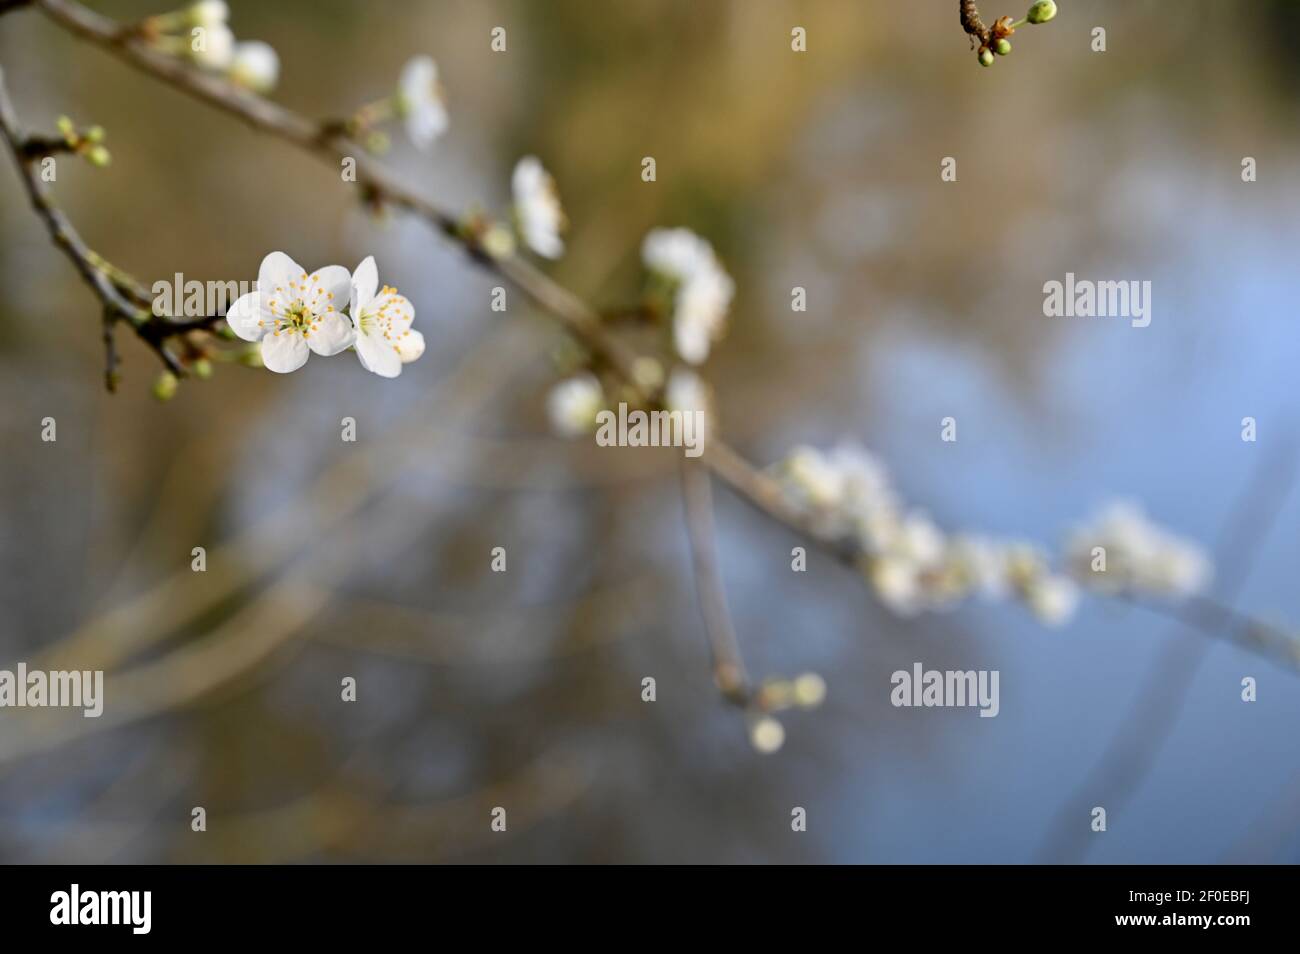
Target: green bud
{"points": [[164, 386], [94, 134], [68, 129], [986, 57], [252, 357], [377, 143], [1042, 11], [497, 241], [1002, 47], [98, 156], [202, 368]]}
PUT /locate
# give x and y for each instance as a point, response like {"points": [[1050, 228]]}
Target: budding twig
{"points": [[728, 665], [117, 306]]}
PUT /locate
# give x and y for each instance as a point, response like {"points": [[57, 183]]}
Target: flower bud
{"points": [[986, 57], [1042, 11], [1002, 47], [255, 65], [766, 735], [98, 155], [809, 690], [497, 241], [164, 386], [207, 13], [202, 368]]}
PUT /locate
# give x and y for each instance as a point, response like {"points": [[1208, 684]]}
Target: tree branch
{"points": [[329, 142], [121, 296]]}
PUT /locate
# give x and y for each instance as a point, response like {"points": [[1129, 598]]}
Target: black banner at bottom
{"points": [[367, 903]]}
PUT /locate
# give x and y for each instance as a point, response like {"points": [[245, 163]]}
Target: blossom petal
{"points": [[410, 345], [378, 355], [331, 285], [365, 283], [331, 334], [529, 175], [418, 76], [426, 123], [284, 352], [277, 271], [692, 340], [245, 317]]}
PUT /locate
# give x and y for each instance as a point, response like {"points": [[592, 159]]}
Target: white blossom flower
{"points": [[897, 583], [255, 65], [1053, 599], [213, 48], [815, 478], [207, 13], [1123, 551], [537, 208], [677, 253], [920, 540], [766, 734], [703, 288], [687, 392], [809, 690], [866, 482], [293, 313], [982, 565], [573, 404], [848, 491], [382, 318], [419, 101]]}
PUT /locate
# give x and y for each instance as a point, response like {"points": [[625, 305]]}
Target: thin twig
{"points": [[120, 299], [111, 359], [728, 664]]}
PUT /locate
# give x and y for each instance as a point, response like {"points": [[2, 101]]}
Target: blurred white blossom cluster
{"points": [[201, 33], [539, 216], [914, 566], [573, 404], [701, 289], [420, 102], [910, 563], [1122, 551], [683, 268]]}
